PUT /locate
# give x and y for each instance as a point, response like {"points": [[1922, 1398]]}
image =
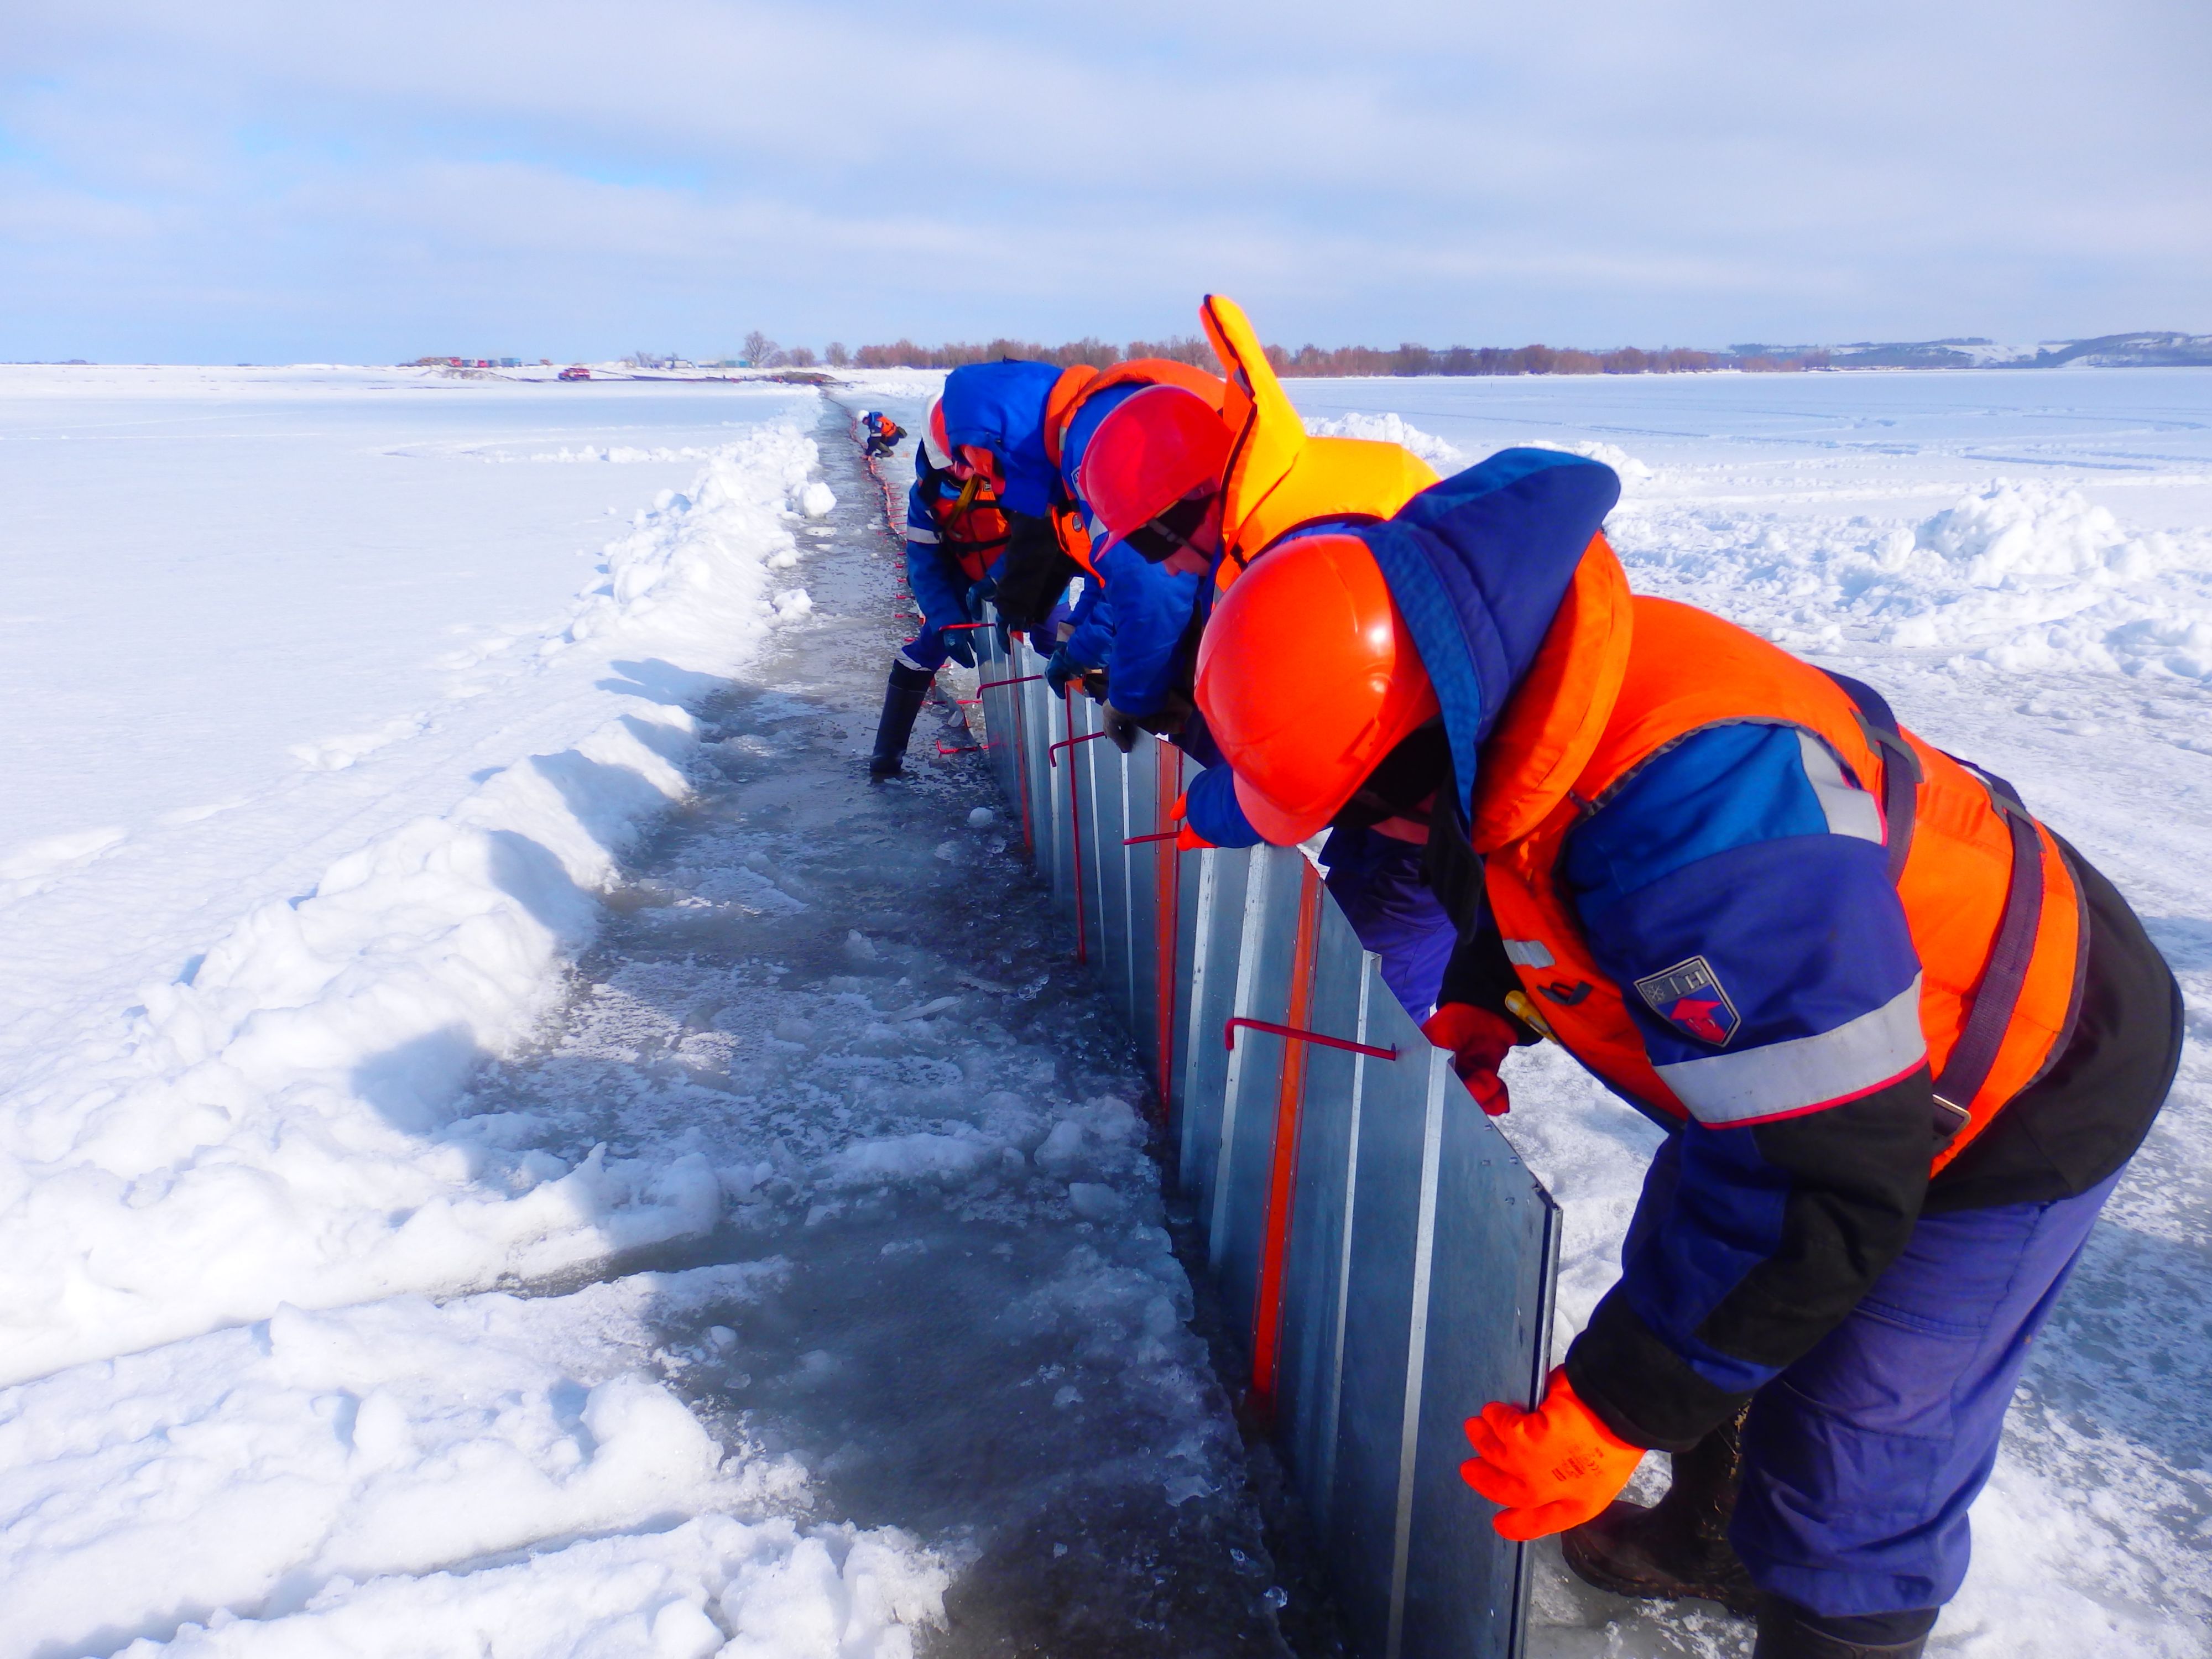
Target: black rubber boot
{"points": [[1787, 1631], [1678, 1548], [902, 700]]}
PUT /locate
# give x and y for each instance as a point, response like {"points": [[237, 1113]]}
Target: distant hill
{"points": [[2151, 349]]}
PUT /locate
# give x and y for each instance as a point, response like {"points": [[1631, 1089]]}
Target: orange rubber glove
{"points": [[1187, 840], [1477, 1040], [1552, 1468]]}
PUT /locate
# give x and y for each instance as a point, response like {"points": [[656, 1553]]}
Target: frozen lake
{"points": [[435, 861]]}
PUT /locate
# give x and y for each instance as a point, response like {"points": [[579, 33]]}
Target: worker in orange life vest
{"points": [[881, 431], [1902, 1039]]}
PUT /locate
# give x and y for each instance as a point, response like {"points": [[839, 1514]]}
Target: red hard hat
{"points": [[1308, 678], [1148, 453]]}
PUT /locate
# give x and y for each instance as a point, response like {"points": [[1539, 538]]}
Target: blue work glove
{"points": [[959, 645]]}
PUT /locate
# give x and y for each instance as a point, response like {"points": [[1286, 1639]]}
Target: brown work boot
{"points": [[1678, 1548]]}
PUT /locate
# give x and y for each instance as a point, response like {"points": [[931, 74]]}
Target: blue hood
{"points": [[1001, 407], [1479, 565]]}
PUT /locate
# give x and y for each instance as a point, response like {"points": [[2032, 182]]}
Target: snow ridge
{"points": [[271, 1127]]}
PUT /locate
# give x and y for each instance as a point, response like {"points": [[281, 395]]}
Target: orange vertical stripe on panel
{"points": [[1167, 868], [1290, 1097]]}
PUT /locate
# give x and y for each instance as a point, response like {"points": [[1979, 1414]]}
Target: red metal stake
{"points": [[1293, 1034]]}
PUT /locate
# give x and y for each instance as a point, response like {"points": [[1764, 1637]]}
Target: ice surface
{"points": [[347, 960]]}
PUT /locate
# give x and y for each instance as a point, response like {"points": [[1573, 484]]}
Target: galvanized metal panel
{"points": [[1251, 1094], [1109, 862], [1146, 879], [1489, 1294], [1226, 874], [1186, 947], [1000, 706], [1060, 804], [1314, 1281], [1047, 832], [1419, 1260], [1362, 1503], [1121, 881]]}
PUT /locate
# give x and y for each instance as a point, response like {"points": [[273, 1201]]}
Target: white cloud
{"points": [[592, 175]]}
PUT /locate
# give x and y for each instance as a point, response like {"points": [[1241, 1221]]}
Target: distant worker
{"points": [[956, 536], [882, 432], [1904, 1040]]}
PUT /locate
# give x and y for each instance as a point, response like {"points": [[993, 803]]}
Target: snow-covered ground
{"points": [[435, 867], [846, 1310]]}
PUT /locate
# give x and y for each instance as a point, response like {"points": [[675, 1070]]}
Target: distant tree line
{"points": [[1412, 359], [760, 352]]}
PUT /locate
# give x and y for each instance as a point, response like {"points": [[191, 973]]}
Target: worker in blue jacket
{"points": [[881, 434], [1902, 1039], [957, 533], [992, 417]]}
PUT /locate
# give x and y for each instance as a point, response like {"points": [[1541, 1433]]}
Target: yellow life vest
{"points": [[1280, 479]]}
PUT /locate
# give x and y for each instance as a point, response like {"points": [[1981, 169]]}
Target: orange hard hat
{"points": [[1308, 678], [1151, 451]]}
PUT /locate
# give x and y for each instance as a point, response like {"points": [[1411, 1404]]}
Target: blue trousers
{"points": [[1861, 1459], [925, 651]]}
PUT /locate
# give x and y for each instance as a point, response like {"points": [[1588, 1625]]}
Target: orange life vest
{"points": [[1280, 479], [975, 534], [1620, 677]]}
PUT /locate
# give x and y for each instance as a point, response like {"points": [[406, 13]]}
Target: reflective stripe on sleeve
{"points": [[922, 533], [1803, 1075], [1528, 953], [1849, 810]]}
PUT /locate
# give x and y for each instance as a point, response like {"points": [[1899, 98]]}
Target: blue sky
{"points": [[292, 180]]}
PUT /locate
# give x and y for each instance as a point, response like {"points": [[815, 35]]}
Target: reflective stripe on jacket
{"points": [[1685, 1044]]}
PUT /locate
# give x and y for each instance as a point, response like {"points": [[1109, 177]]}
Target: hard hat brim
{"points": [[1277, 826]]}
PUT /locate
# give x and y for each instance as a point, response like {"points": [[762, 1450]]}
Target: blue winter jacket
{"points": [[1752, 851], [1001, 407], [1092, 615]]}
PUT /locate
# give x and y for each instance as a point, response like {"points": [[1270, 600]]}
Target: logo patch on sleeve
{"points": [[1688, 996]]}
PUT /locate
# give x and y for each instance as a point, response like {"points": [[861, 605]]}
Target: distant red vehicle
{"points": [[575, 372]]}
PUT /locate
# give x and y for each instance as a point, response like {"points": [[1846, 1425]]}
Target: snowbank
{"points": [[409, 1478], [2022, 575], [1390, 428], [827, 1593], [273, 1127]]}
